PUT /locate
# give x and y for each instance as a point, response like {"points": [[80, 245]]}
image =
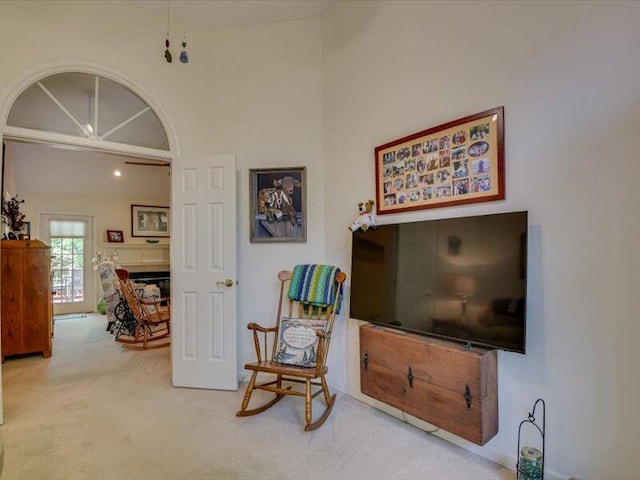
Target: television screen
{"points": [[463, 279]]}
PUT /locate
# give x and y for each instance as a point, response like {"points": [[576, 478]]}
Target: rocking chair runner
{"points": [[324, 318], [153, 317]]}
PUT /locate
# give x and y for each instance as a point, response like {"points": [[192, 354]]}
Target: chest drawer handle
{"points": [[410, 377], [365, 360]]}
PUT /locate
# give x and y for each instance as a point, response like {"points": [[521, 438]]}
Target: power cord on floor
{"points": [[404, 417], [406, 420]]}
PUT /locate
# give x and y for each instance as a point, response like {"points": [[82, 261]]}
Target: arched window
{"points": [[91, 107]]}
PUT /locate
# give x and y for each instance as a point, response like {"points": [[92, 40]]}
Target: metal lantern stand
{"points": [[524, 472]]}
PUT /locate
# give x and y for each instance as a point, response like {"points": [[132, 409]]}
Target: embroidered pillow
{"points": [[298, 342]]}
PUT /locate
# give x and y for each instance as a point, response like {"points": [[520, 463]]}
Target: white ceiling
{"points": [[220, 14], [44, 168]]}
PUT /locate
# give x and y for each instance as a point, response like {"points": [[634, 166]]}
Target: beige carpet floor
{"points": [[96, 411]]}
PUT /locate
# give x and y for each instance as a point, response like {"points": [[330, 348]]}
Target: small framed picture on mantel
{"points": [[25, 234], [115, 236]]}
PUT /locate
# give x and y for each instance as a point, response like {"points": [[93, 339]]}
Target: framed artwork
{"points": [[452, 164], [150, 221], [25, 234], [115, 236], [278, 204]]}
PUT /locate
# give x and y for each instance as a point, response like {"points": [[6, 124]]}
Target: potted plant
{"points": [[12, 215]]}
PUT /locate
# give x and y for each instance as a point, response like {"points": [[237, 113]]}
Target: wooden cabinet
{"points": [[27, 312], [437, 381]]}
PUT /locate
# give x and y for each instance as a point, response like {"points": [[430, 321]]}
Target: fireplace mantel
{"points": [[138, 257]]}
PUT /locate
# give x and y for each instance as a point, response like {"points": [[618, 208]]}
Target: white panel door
{"points": [[203, 259]]}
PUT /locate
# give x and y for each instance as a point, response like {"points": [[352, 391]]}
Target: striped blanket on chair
{"points": [[315, 285]]}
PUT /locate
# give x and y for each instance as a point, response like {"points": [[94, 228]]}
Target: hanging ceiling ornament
{"points": [[184, 57], [167, 53]]}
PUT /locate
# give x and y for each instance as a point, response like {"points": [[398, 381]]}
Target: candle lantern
{"points": [[530, 465]]}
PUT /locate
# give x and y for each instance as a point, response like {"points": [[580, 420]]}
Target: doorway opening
{"points": [[71, 240], [98, 127], [81, 108]]}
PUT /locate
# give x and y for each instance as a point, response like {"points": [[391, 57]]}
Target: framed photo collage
{"points": [[455, 163]]}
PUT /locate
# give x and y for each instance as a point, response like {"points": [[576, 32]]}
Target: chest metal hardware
{"points": [[410, 377], [467, 396]]}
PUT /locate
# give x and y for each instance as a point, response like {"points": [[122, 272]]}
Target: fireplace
{"points": [[160, 278]]}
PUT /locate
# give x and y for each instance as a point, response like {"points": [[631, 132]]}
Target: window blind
{"points": [[67, 228]]}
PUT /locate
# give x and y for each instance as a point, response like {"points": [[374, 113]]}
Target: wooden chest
{"points": [[440, 382]]}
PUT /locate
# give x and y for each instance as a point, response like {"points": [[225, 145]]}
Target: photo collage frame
{"points": [[455, 163]]}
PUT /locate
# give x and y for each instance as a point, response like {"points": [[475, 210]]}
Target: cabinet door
{"points": [[37, 296], [12, 301]]}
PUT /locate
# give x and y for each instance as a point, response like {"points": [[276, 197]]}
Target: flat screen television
{"points": [[462, 279]]}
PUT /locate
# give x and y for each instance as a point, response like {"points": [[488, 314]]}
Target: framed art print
{"points": [[150, 221], [278, 204], [452, 164]]}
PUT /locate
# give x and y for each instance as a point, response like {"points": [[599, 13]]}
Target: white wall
{"points": [[255, 92], [264, 92], [112, 213], [567, 75]]}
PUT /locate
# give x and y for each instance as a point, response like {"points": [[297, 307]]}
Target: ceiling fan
{"points": [[149, 164]]}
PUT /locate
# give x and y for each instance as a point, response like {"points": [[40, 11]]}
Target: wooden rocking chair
{"points": [[153, 317], [320, 320]]}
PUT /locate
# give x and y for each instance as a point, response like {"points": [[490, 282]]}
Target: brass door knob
{"points": [[227, 283]]}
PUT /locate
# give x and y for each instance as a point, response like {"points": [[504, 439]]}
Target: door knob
{"points": [[227, 283]]}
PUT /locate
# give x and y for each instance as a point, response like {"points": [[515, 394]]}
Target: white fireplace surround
{"points": [[138, 257]]}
